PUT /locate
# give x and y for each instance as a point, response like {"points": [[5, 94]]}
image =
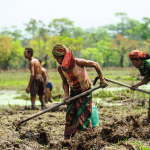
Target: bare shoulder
{"points": [[31, 63], [87, 63], [34, 60], [81, 62]]}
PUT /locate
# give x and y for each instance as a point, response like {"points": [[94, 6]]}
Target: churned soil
{"points": [[121, 127]]}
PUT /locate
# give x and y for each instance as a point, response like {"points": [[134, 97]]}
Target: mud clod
{"points": [[118, 125]]}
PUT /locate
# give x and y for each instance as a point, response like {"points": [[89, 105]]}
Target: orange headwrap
{"points": [[136, 54]]}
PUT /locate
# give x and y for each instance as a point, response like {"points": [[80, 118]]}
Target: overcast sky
{"points": [[84, 13]]}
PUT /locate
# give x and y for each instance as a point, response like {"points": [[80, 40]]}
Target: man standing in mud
{"points": [[36, 82], [48, 86], [74, 75]]}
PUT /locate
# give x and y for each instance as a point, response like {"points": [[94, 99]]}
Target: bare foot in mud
{"points": [[43, 107], [51, 100], [29, 108]]}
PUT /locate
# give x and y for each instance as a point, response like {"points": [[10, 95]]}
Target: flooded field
{"points": [[122, 120], [11, 97]]}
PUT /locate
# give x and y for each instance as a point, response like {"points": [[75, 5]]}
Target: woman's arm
{"points": [[144, 81], [65, 84], [89, 63]]}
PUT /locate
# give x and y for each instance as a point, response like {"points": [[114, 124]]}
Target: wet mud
{"points": [[121, 127]]}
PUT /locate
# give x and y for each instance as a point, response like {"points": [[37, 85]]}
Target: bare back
{"points": [[35, 67], [45, 76]]}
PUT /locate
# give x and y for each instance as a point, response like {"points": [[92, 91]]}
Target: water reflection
{"points": [[8, 97]]}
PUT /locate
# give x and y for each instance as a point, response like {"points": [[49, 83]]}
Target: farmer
{"points": [[141, 61], [47, 85], [36, 82], [74, 75]]}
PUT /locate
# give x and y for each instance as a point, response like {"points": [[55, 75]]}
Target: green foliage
{"points": [[105, 47], [117, 144], [92, 54], [11, 51], [108, 45], [19, 140], [61, 27], [125, 139], [104, 94], [141, 146]]}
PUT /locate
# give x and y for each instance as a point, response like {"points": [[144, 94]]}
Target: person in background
{"points": [[74, 75], [36, 81], [141, 61], [48, 86]]}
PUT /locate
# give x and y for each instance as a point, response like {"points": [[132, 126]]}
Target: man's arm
{"points": [[44, 75], [31, 76], [89, 63], [65, 84]]}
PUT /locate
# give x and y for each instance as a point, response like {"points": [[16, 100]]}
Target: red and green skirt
{"points": [[78, 115]]}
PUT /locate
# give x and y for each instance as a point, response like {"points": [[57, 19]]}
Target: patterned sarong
{"points": [[78, 115]]}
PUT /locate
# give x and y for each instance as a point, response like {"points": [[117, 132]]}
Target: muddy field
{"points": [[122, 118], [121, 127]]}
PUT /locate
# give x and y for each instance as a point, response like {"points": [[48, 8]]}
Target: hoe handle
{"points": [[57, 105], [140, 90]]}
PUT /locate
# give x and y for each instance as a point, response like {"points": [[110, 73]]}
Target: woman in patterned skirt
{"points": [[74, 75]]}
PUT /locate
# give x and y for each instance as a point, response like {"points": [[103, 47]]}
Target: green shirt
{"points": [[145, 69]]}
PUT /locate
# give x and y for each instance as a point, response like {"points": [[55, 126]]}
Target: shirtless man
{"points": [[36, 82], [47, 86]]}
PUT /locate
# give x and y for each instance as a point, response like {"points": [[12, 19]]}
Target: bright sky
{"points": [[84, 13]]}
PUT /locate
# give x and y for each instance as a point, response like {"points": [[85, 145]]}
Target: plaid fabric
{"points": [[78, 115]]}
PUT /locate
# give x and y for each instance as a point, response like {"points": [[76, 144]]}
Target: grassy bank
{"points": [[18, 79]]}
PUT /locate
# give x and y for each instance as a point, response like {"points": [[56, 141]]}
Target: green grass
{"points": [[19, 79], [140, 146]]}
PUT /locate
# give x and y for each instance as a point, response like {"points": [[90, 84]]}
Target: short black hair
{"points": [[29, 50]]}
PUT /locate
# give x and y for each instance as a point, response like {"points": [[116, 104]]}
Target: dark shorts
{"points": [[37, 86], [50, 85]]}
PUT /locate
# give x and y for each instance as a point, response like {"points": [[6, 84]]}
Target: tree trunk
{"points": [[121, 60], [5, 65], [46, 64], [107, 61]]}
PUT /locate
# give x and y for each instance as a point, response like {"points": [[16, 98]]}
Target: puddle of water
{"points": [[8, 97], [102, 102], [109, 89], [143, 87]]}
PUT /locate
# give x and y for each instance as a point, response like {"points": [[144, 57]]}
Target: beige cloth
{"points": [[77, 79]]}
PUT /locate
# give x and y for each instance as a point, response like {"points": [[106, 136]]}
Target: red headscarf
{"points": [[68, 61], [137, 54]]}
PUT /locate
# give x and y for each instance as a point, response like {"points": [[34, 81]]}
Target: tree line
{"points": [[109, 45]]}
